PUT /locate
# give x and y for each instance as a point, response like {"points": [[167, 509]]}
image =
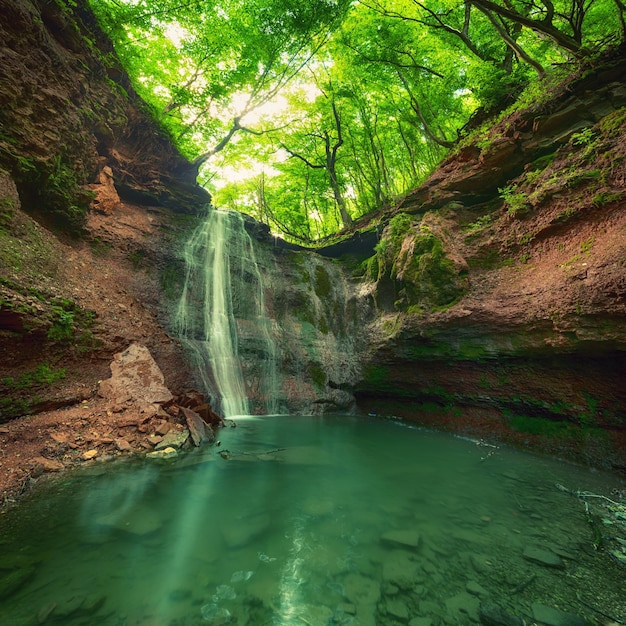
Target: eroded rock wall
{"points": [[532, 219], [89, 187]]}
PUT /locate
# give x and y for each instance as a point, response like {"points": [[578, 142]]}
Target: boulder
{"points": [[199, 431], [173, 439], [135, 377]]}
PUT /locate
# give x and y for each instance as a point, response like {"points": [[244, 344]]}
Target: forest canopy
{"points": [[308, 114]]}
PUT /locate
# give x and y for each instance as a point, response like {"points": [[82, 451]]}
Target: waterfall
{"points": [[222, 310]]}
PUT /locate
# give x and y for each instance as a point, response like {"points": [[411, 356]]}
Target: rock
{"points": [[163, 428], [122, 445], [173, 439], [492, 615], [554, 617], [543, 556], [400, 569], [463, 605], [90, 454], [421, 621], [475, 589], [49, 465], [398, 609], [106, 199], [402, 538], [136, 377], [360, 590], [200, 432], [166, 453]]}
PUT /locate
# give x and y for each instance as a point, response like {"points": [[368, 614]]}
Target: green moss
{"points": [[56, 189], [322, 285], [99, 247], [612, 124], [606, 197], [376, 376], [13, 403], [170, 279], [413, 257], [317, 374], [538, 426]]}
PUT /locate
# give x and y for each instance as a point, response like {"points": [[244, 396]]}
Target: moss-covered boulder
{"points": [[415, 267]]}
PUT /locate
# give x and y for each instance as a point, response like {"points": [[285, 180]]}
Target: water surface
{"points": [[310, 520]]}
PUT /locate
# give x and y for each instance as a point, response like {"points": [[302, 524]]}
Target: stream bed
{"points": [[314, 521]]}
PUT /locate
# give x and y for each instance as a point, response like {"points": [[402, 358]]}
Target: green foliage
{"points": [[43, 374], [587, 246], [516, 201], [538, 426], [12, 402], [479, 225], [269, 89]]}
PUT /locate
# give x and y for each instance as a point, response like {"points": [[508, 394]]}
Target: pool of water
{"points": [[312, 521]]}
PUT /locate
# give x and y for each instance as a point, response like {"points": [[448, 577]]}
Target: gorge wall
{"points": [[501, 281], [92, 196]]}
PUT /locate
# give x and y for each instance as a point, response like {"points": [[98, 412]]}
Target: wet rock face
{"points": [[316, 318]]}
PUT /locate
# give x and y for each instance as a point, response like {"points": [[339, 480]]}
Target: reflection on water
{"points": [[318, 521]]}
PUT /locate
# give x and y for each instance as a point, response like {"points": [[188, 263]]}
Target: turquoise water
{"points": [[309, 521]]}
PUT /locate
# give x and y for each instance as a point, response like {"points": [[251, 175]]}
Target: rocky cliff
{"points": [[500, 283], [88, 189], [93, 200]]}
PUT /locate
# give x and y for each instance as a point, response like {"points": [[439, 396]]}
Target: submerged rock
{"points": [[463, 605], [543, 556], [492, 615], [403, 538], [554, 617], [400, 569]]}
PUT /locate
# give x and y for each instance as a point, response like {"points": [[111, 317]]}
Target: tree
{"points": [[372, 93]]}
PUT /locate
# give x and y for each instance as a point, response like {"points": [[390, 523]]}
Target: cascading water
{"points": [[223, 298]]}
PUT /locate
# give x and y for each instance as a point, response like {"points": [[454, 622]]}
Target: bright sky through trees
{"points": [[310, 113]]}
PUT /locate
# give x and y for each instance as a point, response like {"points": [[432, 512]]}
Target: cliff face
{"points": [[89, 187], [522, 330]]}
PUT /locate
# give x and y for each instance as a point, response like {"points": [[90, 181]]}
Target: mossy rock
{"points": [[413, 257]]}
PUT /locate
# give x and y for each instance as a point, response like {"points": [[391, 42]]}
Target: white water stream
{"points": [[223, 289]]}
